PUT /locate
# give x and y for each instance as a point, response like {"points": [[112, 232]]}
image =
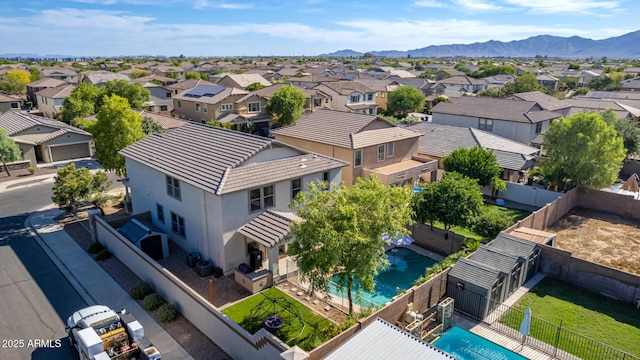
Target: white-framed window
{"points": [[179, 104], [168, 95], [197, 107], [381, 152], [371, 111], [253, 106], [173, 187], [485, 124], [369, 97], [390, 148], [296, 187], [354, 98], [178, 225], [15, 105], [538, 128], [381, 93], [160, 213], [357, 158], [226, 107], [317, 102], [261, 198]]}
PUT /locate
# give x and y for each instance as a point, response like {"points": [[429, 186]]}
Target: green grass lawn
{"points": [[513, 214], [314, 324], [609, 321]]}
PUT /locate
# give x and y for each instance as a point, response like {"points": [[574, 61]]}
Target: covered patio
{"points": [[405, 172]]}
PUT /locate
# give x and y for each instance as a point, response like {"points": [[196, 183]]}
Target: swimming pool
{"points": [[468, 346], [406, 266]]}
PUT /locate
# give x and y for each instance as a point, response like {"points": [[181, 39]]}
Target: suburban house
{"points": [[64, 74], [223, 193], [370, 144], [159, 99], [9, 103], [351, 96], [630, 85], [46, 140], [99, 78], [547, 81], [440, 140], [187, 84], [205, 102], [382, 89], [170, 72], [155, 78], [517, 120], [241, 81], [38, 85], [442, 74], [166, 122], [50, 100], [456, 86]]}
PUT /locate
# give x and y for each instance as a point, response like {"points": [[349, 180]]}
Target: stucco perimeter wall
{"points": [[550, 213], [434, 239], [233, 339], [525, 194], [623, 205], [423, 297]]}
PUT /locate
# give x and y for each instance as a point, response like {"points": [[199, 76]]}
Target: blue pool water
{"points": [[468, 346], [406, 266]]}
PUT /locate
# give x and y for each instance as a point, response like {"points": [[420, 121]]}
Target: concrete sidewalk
{"points": [[93, 284]]}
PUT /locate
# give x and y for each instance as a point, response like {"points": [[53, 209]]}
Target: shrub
{"points": [[167, 312], [103, 254], [141, 290], [489, 224], [152, 301], [32, 169], [95, 248]]}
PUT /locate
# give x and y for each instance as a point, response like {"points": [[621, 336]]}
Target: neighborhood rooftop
{"points": [[495, 108]]}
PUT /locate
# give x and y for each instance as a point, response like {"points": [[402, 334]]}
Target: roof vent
{"points": [[303, 165]]}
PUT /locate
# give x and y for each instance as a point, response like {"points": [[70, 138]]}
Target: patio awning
{"points": [[269, 227]]}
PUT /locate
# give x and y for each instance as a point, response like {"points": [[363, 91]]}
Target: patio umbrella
{"points": [[525, 325], [404, 240], [631, 184]]}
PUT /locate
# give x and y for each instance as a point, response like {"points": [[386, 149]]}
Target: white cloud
{"points": [[430, 3], [477, 5], [204, 4], [581, 7]]}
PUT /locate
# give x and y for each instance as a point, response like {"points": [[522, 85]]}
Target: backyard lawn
{"points": [[293, 333], [609, 321], [513, 214]]}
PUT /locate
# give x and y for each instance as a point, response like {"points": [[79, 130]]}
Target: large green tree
{"points": [[72, 186], [286, 105], [586, 148], [15, 81], [150, 126], [405, 99], [524, 82], [341, 232], [454, 201], [80, 103], [9, 150], [626, 128], [476, 163], [116, 128], [135, 93]]}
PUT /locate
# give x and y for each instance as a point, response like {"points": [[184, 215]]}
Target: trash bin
{"points": [[192, 259]]}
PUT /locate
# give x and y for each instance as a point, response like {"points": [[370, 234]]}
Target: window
{"points": [[538, 128], [369, 97], [204, 108], [261, 198], [354, 98], [296, 187], [357, 158], [226, 107], [390, 147], [485, 124], [168, 94], [163, 107], [381, 152], [160, 213], [371, 111], [197, 107], [253, 107], [381, 93], [14, 105], [173, 187], [177, 224], [179, 104], [325, 176], [317, 102]]}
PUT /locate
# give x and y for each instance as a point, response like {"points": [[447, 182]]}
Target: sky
{"points": [[294, 27]]}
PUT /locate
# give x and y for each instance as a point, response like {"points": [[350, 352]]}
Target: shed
{"points": [[519, 247], [153, 242], [506, 263], [476, 287]]}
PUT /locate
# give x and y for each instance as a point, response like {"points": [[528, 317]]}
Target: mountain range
{"points": [[620, 47]]}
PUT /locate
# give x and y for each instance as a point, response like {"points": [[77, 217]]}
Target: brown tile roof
{"points": [[8, 98], [245, 80], [58, 92], [167, 122], [46, 82], [545, 101], [493, 108], [347, 87], [380, 136]]}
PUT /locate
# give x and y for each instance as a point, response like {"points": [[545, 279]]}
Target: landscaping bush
{"points": [[141, 290], [103, 254], [167, 312], [152, 301], [32, 169], [489, 223], [468, 246], [95, 248]]}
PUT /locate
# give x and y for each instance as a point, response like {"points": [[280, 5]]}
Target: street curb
{"points": [[84, 293]]}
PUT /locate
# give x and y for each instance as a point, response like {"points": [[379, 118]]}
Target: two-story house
{"points": [[222, 193], [517, 120], [456, 86], [9, 103], [64, 74], [206, 102], [159, 99], [187, 84], [170, 72], [38, 85], [351, 96], [99, 78], [50, 100], [370, 144], [382, 89], [241, 81]]}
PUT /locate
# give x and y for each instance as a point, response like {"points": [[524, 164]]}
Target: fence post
{"points": [[555, 352]]}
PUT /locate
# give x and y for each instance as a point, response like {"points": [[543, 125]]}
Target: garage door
{"points": [[67, 152]]}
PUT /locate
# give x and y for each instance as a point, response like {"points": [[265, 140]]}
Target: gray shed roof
{"points": [[513, 245], [493, 108], [269, 227], [381, 340], [475, 273], [212, 158], [495, 258]]}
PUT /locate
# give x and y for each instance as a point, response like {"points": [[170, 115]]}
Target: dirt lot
{"points": [[600, 237]]}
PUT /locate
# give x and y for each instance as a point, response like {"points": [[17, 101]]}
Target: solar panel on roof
{"points": [[204, 90]]}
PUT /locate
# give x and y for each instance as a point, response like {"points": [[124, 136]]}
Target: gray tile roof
{"points": [[58, 92], [545, 101], [347, 87], [269, 228], [381, 340], [8, 98], [189, 84], [329, 127], [15, 123], [207, 94], [513, 245], [495, 258], [46, 82], [513, 161], [461, 80], [492, 108], [212, 158], [101, 78], [475, 273]]}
